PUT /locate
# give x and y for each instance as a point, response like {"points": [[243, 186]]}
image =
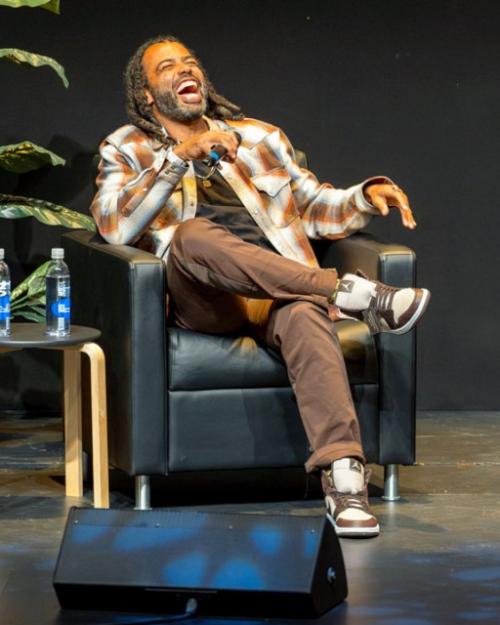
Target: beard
{"points": [[167, 103]]}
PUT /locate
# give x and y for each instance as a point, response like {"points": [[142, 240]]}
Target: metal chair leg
{"points": [[391, 482], [142, 492]]}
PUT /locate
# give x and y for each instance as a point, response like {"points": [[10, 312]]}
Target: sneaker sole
{"points": [[422, 307], [354, 532]]}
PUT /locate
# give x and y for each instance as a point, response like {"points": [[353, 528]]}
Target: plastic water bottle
{"points": [[58, 295], [4, 296]]}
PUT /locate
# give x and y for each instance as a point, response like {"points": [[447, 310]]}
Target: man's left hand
{"points": [[386, 196]]}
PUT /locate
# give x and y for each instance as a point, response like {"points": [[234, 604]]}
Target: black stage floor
{"points": [[436, 562]]}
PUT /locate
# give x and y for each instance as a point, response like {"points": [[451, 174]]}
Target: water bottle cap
{"points": [[2, 253], [57, 253]]}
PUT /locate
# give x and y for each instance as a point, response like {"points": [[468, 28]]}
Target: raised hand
{"points": [[199, 146], [386, 196]]}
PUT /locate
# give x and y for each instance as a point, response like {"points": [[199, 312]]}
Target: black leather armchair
{"points": [[186, 401]]}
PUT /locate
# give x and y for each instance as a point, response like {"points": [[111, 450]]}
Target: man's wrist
{"points": [[373, 181]]}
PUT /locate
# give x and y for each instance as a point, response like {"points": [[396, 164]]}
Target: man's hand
{"points": [[386, 196], [199, 146]]}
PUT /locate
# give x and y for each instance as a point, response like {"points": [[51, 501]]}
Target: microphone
{"points": [[217, 152]]}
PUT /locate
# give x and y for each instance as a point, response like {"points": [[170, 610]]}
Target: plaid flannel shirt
{"points": [[141, 197]]}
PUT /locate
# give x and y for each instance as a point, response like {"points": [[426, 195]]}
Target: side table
{"points": [[80, 341]]}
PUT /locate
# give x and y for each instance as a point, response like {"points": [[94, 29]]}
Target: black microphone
{"points": [[217, 152]]}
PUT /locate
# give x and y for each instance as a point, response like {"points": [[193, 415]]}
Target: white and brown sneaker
{"points": [[384, 308], [346, 499]]}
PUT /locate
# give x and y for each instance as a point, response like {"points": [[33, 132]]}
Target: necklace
{"points": [[204, 173]]}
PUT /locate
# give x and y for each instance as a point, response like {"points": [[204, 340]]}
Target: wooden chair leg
{"points": [[73, 423], [99, 423]]}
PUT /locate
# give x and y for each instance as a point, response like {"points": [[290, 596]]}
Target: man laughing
{"points": [[234, 236]]}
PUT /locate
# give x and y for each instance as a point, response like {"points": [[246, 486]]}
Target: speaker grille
{"points": [[172, 554]]}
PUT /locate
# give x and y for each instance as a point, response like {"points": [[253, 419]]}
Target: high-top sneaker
{"points": [[384, 308], [346, 499]]}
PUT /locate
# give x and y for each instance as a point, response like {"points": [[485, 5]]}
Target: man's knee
{"points": [[305, 316], [303, 326], [190, 235], [304, 311]]}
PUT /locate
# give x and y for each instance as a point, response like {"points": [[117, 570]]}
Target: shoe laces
{"points": [[343, 501], [384, 295], [380, 304]]}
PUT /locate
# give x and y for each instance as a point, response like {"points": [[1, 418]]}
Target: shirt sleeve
{"points": [[128, 198], [327, 212]]}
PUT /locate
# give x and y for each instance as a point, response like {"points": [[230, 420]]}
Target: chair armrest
{"points": [[388, 262], [395, 265], [121, 291]]}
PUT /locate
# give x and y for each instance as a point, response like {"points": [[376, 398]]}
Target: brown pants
{"points": [[220, 284]]}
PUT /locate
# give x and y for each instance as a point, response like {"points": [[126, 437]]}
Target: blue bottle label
{"points": [[61, 308], [4, 307]]}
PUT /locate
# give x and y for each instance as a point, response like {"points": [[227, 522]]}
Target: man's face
{"points": [[176, 82]]}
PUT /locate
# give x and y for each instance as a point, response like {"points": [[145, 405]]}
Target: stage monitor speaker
{"points": [[224, 563]]}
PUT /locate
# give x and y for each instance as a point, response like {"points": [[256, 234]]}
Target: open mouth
{"points": [[189, 91]]}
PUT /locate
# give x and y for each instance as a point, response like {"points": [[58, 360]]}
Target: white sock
{"points": [[354, 293], [348, 475]]}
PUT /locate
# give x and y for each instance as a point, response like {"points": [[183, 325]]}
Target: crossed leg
{"points": [[220, 284]]}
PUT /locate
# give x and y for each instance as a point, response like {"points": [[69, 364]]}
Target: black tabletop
{"points": [[33, 335]]}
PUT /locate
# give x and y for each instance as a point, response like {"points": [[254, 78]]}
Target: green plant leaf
{"points": [[50, 5], [17, 206], [26, 156], [37, 305], [39, 309], [36, 60], [25, 301], [28, 298], [33, 285], [31, 315]]}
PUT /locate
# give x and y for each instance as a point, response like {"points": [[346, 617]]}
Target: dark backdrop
{"points": [[408, 89]]}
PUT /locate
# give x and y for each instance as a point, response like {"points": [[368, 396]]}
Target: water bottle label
{"points": [[4, 288], [61, 308], [63, 290], [4, 306]]}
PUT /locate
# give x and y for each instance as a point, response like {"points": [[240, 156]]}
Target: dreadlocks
{"points": [[140, 113]]}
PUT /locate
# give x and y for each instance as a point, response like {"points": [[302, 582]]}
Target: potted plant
{"points": [[28, 298]]}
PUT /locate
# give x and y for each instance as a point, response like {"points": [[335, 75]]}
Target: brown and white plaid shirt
{"points": [[141, 197]]}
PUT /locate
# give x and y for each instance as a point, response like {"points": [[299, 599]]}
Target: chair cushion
{"points": [[205, 361]]}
